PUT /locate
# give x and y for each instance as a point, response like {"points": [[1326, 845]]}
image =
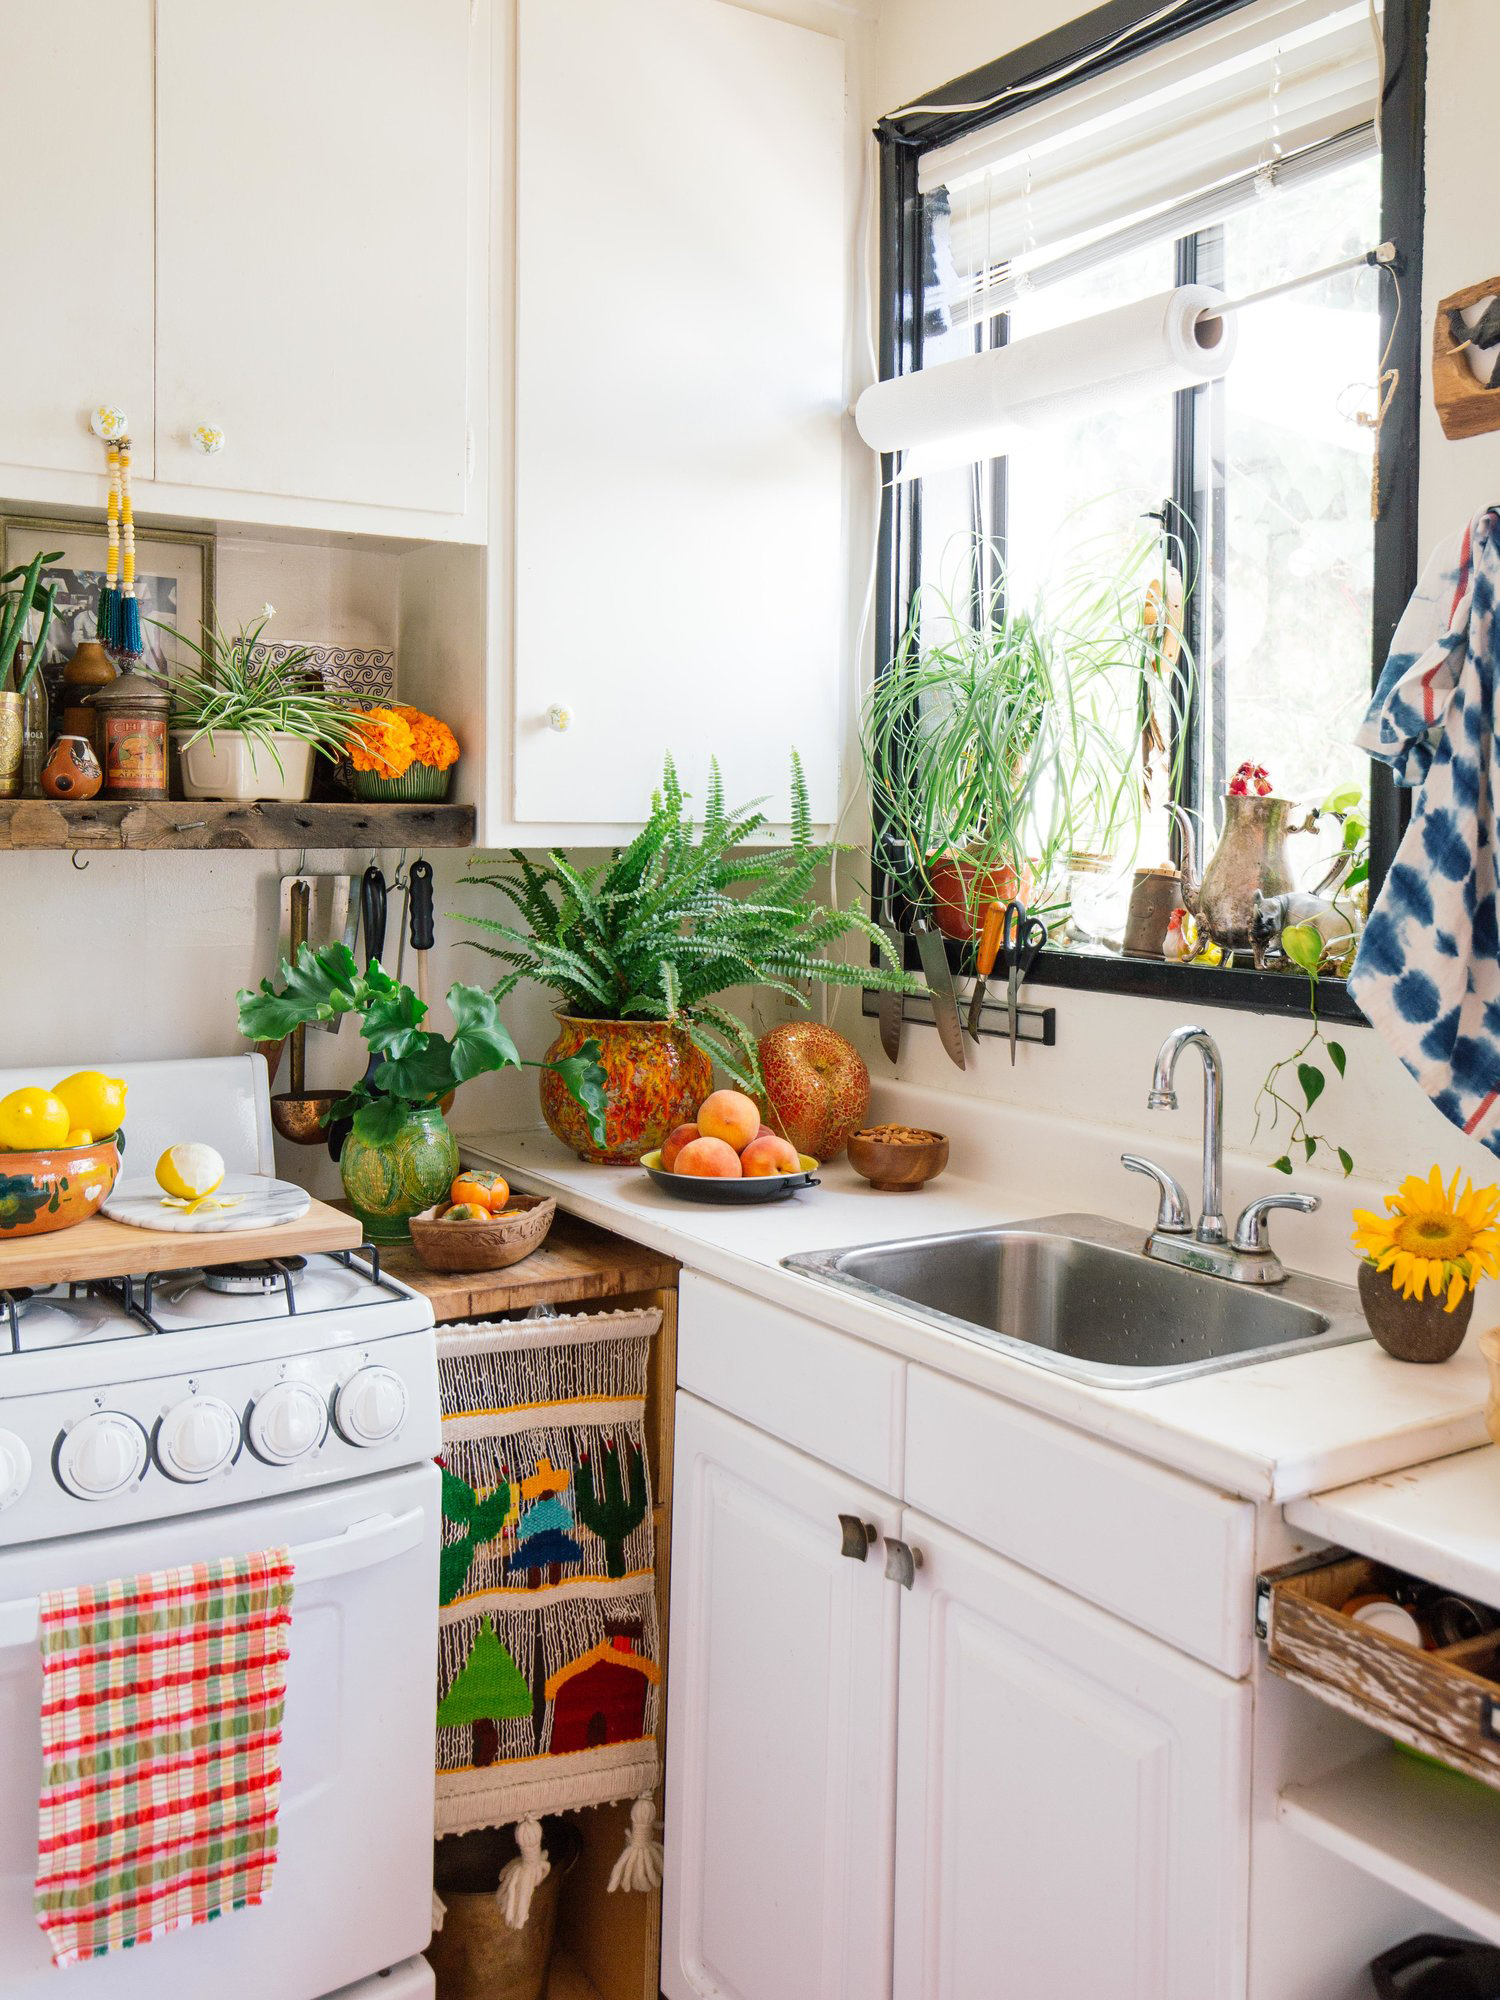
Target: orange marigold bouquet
{"points": [[399, 752]]}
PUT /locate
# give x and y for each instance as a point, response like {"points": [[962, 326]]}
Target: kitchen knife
{"points": [[989, 947], [939, 978]]}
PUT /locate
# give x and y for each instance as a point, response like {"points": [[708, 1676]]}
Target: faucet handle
{"points": [[1250, 1230], [1172, 1212]]}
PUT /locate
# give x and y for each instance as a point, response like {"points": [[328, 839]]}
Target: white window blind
{"points": [[1242, 97]]}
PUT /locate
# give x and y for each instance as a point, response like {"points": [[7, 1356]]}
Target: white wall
{"points": [[1100, 1068]]}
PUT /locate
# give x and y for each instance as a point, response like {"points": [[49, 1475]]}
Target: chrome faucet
{"points": [[1245, 1259]]}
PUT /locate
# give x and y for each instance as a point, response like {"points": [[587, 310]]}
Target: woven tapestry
{"points": [[549, 1677]]}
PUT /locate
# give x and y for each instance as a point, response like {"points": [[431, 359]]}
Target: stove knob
{"points": [[15, 1468], [287, 1422], [371, 1406], [197, 1438], [101, 1455]]}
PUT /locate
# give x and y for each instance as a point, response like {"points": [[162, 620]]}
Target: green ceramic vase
{"points": [[389, 1182]]}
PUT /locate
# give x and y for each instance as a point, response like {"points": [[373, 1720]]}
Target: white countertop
{"points": [[1274, 1430], [1439, 1521]]}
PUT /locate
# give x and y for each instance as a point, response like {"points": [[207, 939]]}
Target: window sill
{"points": [[1154, 979]]}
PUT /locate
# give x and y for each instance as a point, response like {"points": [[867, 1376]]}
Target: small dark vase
{"points": [[1412, 1329]]}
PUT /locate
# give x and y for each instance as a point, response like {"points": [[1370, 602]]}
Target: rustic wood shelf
{"points": [[105, 824], [577, 1265]]}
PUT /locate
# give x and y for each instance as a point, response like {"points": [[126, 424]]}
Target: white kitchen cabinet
{"points": [[76, 330], [781, 1725], [1073, 1796], [313, 185], [683, 231]]}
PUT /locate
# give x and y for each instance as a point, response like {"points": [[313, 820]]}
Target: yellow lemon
{"points": [[190, 1170], [80, 1137], [96, 1102], [32, 1119]]}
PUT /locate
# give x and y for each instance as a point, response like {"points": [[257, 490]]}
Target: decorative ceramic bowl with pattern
{"points": [[54, 1189]]}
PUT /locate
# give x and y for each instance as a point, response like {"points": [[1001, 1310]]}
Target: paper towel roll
{"points": [[960, 411]]}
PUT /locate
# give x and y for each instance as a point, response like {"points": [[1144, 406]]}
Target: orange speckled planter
{"points": [[655, 1078]]}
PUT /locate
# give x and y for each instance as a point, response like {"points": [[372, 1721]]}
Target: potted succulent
{"points": [[399, 1156], [19, 596], [1421, 1261], [639, 949], [248, 725], [1005, 746]]}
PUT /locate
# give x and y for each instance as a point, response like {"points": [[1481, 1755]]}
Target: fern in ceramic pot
{"points": [[639, 949], [246, 727]]}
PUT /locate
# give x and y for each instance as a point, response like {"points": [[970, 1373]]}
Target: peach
{"points": [[672, 1145], [769, 1155], [731, 1116], [710, 1158]]}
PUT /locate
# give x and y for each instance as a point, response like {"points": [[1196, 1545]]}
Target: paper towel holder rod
{"points": [[1384, 255]]}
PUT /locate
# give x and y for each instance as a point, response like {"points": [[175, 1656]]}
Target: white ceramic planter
{"points": [[230, 766]]}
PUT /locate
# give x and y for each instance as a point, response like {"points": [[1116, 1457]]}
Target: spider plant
{"points": [[664, 926], [1007, 738], [233, 691]]}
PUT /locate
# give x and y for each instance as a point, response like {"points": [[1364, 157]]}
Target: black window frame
{"points": [[1086, 47]]}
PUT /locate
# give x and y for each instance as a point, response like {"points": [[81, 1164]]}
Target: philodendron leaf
{"points": [[1346, 1161], [379, 1122], [422, 1075], [1311, 1080], [1281, 1166], [481, 1041], [319, 986], [583, 1078], [1336, 1056], [1303, 946]]}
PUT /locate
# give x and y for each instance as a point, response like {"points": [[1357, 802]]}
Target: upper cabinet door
{"points": [[1074, 1796], [76, 329], [682, 247], [313, 184], [780, 1727]]}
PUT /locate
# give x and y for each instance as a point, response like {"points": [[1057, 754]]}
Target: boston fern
{"points": [[679, 916]]}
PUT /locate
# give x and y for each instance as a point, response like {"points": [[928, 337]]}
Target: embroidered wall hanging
{"points": [[549, 1676]]}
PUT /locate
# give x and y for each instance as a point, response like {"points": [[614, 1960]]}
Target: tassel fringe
{"points": [[520, 1879], [640, 1864]]}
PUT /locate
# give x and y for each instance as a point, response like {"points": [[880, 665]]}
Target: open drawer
{"points": [[1445, 1701]]}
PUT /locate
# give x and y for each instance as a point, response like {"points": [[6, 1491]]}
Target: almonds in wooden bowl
{"points": [[898, 1159], [488, 1243]]}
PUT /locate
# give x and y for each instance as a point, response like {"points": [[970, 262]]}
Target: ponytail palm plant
{"points": [[666, 925]]}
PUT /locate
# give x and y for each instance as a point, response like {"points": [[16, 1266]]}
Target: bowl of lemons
{"points": [[59, 1152]]}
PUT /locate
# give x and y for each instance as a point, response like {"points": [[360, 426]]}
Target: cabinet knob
{"points": [[901, 1562], [208, 438], [858, 1536], [108, 421], [559, 717]]}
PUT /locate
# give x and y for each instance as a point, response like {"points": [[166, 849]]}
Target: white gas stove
{"points": [[156, 1419]]}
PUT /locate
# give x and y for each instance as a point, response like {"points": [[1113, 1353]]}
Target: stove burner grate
{"points": [[259, 1277]]}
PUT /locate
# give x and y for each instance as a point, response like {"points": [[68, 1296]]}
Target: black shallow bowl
{"points": [[757, 1187]]}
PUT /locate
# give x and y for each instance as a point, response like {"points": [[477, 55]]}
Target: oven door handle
{"points": [[376, 1540]]}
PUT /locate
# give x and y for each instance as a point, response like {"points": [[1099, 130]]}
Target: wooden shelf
{"points": [[578, 1263], [101, 824], [1431, 1834]]}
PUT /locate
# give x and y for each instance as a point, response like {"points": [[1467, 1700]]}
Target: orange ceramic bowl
{"points": [[40, 1192]]}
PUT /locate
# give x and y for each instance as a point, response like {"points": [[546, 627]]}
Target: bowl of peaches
{"points": [[728, 1155]]}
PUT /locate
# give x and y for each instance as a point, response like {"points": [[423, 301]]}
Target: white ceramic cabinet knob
{"points": [[101, 1455], [15, 1468], [370, 1407], [197, 1438], [207, 438], [287, 1422], [560, 717]]}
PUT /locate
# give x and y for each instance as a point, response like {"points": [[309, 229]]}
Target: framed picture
{"points": [[174, 582]]}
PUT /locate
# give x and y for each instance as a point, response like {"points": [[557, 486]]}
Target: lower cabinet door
{"points": [[1073, 1796], [781, 1724]]}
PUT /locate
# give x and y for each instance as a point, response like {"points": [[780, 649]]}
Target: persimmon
{"points": [[481, 1188]]}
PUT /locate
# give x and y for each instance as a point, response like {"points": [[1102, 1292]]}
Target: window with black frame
{"points": [[1129, 637]]}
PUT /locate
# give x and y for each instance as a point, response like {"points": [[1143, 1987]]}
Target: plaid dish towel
{"points": [[162, 1699]]}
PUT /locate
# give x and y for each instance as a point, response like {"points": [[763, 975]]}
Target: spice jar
{"points": [[87, 671], [132, 733]]}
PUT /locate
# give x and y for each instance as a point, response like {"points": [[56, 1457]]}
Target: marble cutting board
{"points": [[266, 1203]]}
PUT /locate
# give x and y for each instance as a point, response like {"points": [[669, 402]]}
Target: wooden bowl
{"points": [[898, 1164], [489, 1245], [43, 1191]]}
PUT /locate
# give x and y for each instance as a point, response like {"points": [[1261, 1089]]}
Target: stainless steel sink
{"points": [[1076, 1294]]}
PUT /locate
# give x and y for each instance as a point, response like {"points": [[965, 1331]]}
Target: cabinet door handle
{"points": [[208, 438], [858, 1535], [902, 1562]]}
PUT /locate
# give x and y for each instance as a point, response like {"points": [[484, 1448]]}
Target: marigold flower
{"points": [[380, 740], [433, 741]]}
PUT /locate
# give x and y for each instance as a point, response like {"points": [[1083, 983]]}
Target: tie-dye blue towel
{"points": [[1428, 971]]}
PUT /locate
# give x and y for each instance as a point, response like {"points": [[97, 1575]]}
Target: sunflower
{"points": [[1434, 1239]]}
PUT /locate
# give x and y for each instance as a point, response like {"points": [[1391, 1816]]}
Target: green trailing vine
{"points": [[1304, 947]]}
